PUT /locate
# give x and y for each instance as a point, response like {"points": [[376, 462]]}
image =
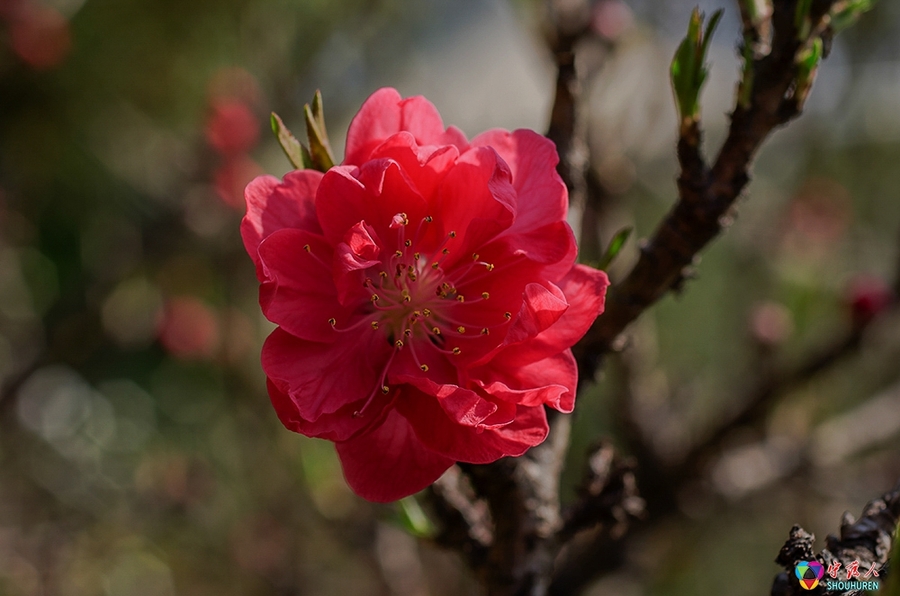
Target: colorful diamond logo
{"points": [[809, 573]]}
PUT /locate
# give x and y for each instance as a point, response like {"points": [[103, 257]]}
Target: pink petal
{"points": [[476, 201], [353, 256], [374, 193], [532, 158], [541, 307], [385, 113], [323, 378], [273, 205], [478, 445], [585, 291], [389, 462], [297, 290], [426, 165], [463, 406], [551, 381], [552, 246], [336, 426]]}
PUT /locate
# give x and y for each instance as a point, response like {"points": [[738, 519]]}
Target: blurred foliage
{"points": [[138, 451]]}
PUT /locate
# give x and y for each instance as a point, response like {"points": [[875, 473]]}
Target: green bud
{"points": [[319, 147], [296, 153], [844, 14], [614, 248], [688, 68]]}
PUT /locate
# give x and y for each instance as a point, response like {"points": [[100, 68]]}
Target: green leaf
{"points": [[688, 69], [413, 519], [319, 147], [295, 151], [802, 20], [615, 246], [844, 14]]}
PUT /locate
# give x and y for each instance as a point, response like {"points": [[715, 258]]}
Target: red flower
{"points": [[426, 294]]}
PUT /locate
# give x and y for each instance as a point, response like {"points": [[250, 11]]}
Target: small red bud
{"points": [[868, 296]]}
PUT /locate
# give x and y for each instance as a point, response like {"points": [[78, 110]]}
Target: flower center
{"points": [[418, 303]]}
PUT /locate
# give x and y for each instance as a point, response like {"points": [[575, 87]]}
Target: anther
{"points": [[460, 329], [306, 248], [485, 331], [398, 254], [383, 274], [475, 256], [374, 324], [332, 321], [424, 368], [408, 243], [452, 234], [460, 298], [485, 295], [407, 332], [399, 343], [428, 219], [436, 330], [434, 265], [445, 251], [456, 351], [489, 266], [374, 298], [507, 315], [385, 389]]}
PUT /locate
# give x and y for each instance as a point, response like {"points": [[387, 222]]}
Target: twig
{"points": [[706, 198]]}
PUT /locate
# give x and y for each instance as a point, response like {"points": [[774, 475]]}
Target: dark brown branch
{"points": [[705, 199], [608, 495], [867, 540]]}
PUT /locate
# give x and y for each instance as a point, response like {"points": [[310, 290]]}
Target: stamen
{"points": [[360, 323], [507, 315], [384, 388], [485, 331], [456, 351], [399, 343], [485, 295], [308, 249], [424, 367], [460, 329]]}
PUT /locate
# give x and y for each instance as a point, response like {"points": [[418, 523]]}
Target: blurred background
{"points": [[138, 450]]}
